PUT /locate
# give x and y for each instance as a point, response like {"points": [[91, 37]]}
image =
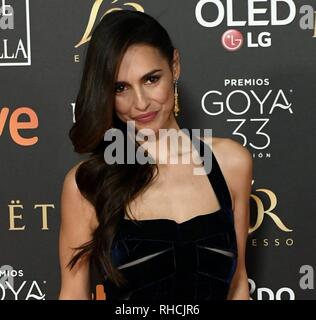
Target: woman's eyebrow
{"points": [[142, 78]]}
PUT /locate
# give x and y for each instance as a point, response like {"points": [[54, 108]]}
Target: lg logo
{"points": [[233, 39]]}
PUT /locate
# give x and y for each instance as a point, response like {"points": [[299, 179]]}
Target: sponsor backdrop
{"points": [[248, 72]]}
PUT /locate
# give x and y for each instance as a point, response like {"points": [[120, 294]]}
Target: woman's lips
{"points": [[146, 117]]}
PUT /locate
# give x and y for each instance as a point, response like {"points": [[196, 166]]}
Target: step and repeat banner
{"points": [[248, 71]]}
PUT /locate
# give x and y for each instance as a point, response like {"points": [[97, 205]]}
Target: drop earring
{"points": [[176, 102]]}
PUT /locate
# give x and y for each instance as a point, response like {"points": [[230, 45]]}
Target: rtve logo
{"points": [[15, 126]]}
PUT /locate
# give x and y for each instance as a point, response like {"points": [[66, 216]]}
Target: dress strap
{"points": [[215, 174]]}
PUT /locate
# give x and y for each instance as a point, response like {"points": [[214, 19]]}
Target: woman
{"points": [[189, 237]]}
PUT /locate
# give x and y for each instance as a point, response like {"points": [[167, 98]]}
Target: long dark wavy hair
{"points": [[110, 188]]}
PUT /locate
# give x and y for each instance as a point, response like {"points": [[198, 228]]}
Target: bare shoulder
{"points": [[74, 206], [235, 161], [232, 154]]}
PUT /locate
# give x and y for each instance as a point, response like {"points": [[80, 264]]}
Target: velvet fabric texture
{"points": [[165, 260]]}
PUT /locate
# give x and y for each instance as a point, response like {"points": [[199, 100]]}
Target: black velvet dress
{"points": [[166, 260]]}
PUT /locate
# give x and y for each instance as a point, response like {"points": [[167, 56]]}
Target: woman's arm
{"points": [[237, 166], [78, 219]]}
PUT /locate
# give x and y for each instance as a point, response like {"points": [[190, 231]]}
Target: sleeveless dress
{"points": [[165, 260]]}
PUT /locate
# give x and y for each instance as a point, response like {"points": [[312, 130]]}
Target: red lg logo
{"points": [[232, 40]]}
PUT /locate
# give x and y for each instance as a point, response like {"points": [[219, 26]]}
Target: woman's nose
{"points": [[141, 99]]}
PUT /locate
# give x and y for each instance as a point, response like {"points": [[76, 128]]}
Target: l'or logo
{"points": [[262, 212], [93, 15]]}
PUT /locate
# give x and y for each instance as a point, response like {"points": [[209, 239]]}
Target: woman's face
{"points": [[145, 85]]}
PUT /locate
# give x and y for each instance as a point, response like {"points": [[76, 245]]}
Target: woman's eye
{"points": [[153, 79], [119, 88]]}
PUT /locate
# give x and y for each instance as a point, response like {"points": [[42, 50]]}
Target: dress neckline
{"points": [[172, 221], [216, 181]]}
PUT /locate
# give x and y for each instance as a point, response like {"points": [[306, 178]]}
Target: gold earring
{"points": [[176, 102]]}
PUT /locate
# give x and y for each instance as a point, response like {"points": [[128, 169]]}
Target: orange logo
{"points": [[100, 293], [15, 125]]}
